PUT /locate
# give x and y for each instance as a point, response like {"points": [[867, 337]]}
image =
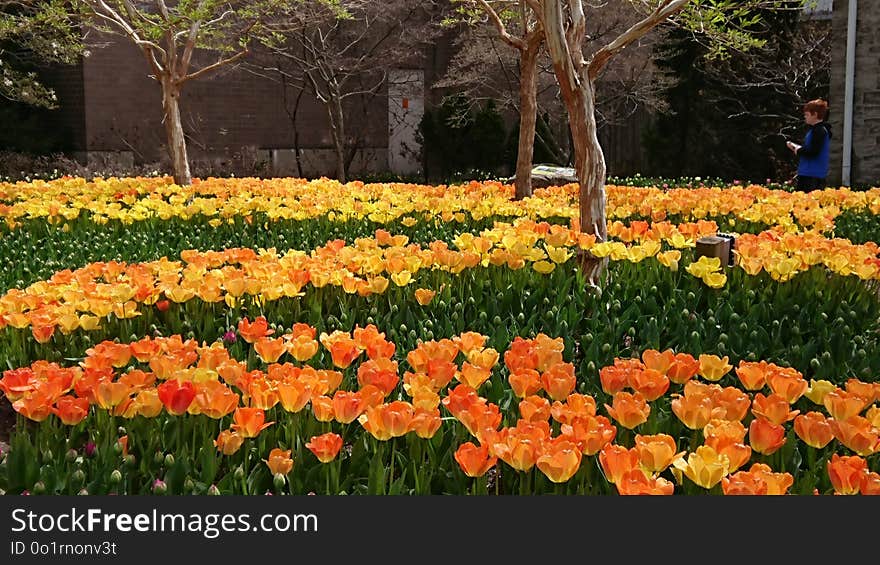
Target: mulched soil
{"points": [[7, 419]]}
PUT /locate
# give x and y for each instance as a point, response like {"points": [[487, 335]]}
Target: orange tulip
{"points": [[441, 372], [777, 483], [347, 406], [753, 376], [730, 403], [525, 382], [774, 408], [657, 361], [252, 331], [425, 422], [873, 414], [650, 383], [460, 398], [270, 350], [325, 446], [71, 410], [176, 396], [535, 408], [814, 429], [629, 410], [615, 378], [322, 408], [870, 484], [744, 483], [485, 358], [683, 369], [712, 367], [843, 405], [479, 416], [262, 393], [145, 349], [765, 437], [846, 473], [424, 296], [560, 460], [137, 379], [469, 341], [790, 384], [635, 482], [472, 375], [213, 399], [343, 349], [387, 421], [857, 434], [147, 403], [474, 461], [590, 433], [302, 347], [293, 395], [520, 355], [381, 373], [559, 380], [228, 442], [109, 394], [249, 422], [656, 452], [868, 391], [694, 410], [575, 406], [35, 406], [279, 462], [617, 461]]}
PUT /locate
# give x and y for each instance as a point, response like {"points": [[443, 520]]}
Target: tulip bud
{"points": [[70, 456], [77, 478], [39, 487], [48, 456], [83, 492], [158, 457], [121, 431], [130, 460], [239, 473], [279, 481], [213, 490], [115, 477], [159, 487], [169, 460], [189, 485], [90, 449], [117, 448]]}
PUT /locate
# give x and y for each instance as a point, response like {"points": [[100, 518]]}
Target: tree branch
{"points": [[215, 66], [511, 40], [663, 11]]}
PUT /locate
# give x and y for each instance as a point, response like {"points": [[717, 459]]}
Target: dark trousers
{"points": [[807, 184]]}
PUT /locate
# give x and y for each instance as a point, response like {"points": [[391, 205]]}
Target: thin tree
{"points": [[171, 36], [725, 22], [339, 50]]}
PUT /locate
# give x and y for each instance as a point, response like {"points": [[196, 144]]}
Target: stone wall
{"points": [[866, 100]]}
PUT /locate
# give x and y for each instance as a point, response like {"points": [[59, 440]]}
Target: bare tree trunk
{"points": [[337, 131], [578, 94], [176, 139], [528, 115]]}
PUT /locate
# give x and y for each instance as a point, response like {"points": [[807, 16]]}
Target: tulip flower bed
{"points": [[330, 413], [133, 325]]}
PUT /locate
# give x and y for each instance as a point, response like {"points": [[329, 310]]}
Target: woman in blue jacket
{"points": [[813, 155]]}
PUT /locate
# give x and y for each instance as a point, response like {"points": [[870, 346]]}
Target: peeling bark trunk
{"points": [[578, 94], [176, 139], [528, 115], [337, 131]]}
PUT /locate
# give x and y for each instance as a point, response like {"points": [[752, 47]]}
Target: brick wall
{"points": [[221, 113], [866, 99]]}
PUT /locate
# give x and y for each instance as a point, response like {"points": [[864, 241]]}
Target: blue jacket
{"points": [[814, 154]]}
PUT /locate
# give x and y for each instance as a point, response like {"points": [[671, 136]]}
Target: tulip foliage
{"points": [[241, 336]]}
